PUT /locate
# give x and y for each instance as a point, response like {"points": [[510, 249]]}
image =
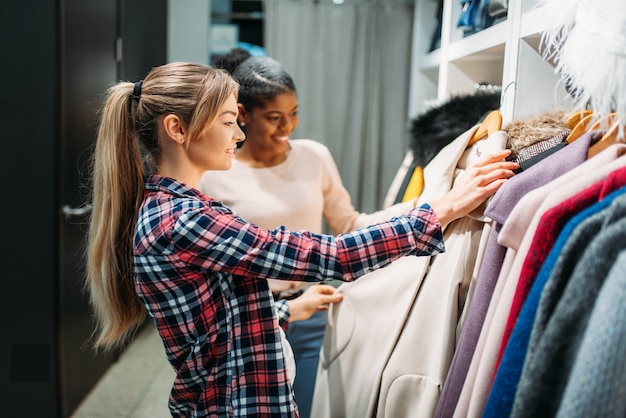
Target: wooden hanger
{"points": [[613, 136], [605, 122], [576, 117], [580, 128], [489, 125]]}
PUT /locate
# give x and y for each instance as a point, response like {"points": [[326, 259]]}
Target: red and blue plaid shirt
{"points": [[201, 270]]}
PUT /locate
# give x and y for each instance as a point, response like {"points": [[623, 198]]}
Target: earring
{"points": [[182, 141], [242, 124]]}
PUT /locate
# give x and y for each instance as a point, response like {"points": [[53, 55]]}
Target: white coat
{"points": [[389, 343]]}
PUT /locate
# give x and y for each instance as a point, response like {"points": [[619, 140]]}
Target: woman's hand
{"points": [[315, 298], [479, 181]]}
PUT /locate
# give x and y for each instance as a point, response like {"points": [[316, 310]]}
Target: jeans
{"points": [[306, 339]]}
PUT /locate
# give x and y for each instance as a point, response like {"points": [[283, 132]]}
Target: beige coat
{"points": [[389, 343]]}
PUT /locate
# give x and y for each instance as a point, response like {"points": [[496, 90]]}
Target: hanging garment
{"points": [[558, 267], [435, 39], [396, 190], [541, 147], [597, 380], [435, 128], [498, 210], [517, 235], [394, 334], [474, 16], [498, 8], [529, 162], [547, 234], [430, 132], [529, 136], [564, 308]]}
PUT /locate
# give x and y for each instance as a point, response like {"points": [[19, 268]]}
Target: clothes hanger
{"points": [[576, 117], [489, 125], [581, 128], [605, 122], [614, 135]]}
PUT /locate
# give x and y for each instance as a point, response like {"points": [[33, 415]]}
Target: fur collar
{"points": [[432, 130]]}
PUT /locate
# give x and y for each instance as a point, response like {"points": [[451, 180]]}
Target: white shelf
{"points": [[531, 23], [431, 60], [488, 42], [507, 54]]}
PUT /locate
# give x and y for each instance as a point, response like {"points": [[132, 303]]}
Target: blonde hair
{"points": [[126, 147]]}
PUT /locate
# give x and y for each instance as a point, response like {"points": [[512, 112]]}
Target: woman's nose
{"points": [[287, 125], [239, 134]]}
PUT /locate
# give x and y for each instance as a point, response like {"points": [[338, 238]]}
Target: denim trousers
{"points": [[306, 339]]}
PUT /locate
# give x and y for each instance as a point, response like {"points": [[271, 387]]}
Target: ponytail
{"points": [[128, 130], [118, 178], [231, 60]]}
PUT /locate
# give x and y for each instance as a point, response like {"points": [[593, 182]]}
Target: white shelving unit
{"points": [[506, 54]]}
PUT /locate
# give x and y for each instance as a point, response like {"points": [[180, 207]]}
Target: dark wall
{"points": [[143, 24], [59, 56], [30, 94], [250, 29], [88, 66]]}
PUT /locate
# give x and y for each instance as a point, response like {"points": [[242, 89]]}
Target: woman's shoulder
{"points": [[310, 146]]}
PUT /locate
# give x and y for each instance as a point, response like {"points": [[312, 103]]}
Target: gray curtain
{"points": [[350, 63]]}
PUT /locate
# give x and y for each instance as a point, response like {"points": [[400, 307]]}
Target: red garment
{"points": [[547, 232]]}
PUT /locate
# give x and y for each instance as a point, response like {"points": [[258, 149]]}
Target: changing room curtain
{"points": [[350, 63]]}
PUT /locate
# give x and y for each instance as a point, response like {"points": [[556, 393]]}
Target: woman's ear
{"points": [[175, 129], [243, 115]]}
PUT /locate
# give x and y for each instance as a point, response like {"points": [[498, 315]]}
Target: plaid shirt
{"points": [[201, 270]]}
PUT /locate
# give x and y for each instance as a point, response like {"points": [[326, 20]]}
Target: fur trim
{"points": [[522, 133], [432, 130]]}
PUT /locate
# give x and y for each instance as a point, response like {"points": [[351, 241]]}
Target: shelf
{"points": [[431, 60], [532, 23], [482, 68], [507, 54], [489, 41]]}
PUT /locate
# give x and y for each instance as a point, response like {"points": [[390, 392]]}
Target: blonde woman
{"points": [[157, 245]]}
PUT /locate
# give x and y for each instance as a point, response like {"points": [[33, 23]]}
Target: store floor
{"points": [[137, 385]]}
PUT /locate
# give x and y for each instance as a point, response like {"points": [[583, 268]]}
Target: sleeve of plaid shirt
{"points": [[200, 269], [215, 239]]}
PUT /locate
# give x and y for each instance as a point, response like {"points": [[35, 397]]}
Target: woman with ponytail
{"points": [[157, 245]]}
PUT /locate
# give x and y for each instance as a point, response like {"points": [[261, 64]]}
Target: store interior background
{"points": [[60, 56]]}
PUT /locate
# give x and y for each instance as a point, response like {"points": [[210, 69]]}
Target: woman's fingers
{"points": [[479, 181], [492, 167], [325, 289], [496, 171], [327, 294], [493, 157], [314, 298]]}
